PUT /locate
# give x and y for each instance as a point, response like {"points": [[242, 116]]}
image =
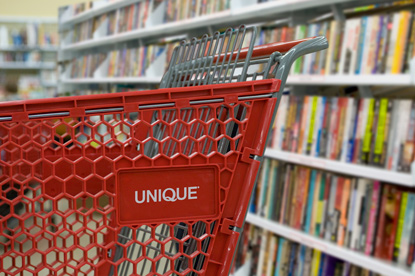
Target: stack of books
{"points": [[377, 132], [364, 215]]}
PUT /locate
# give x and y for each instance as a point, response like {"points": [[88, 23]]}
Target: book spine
{"points": [[368, 132], [392, 225], [402, 211], [406, 232], [363, 30], [312, 125], [374, 206], [310, 201]]}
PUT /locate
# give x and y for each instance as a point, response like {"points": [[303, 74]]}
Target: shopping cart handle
{"points": [[267, 49], [307, 46]]}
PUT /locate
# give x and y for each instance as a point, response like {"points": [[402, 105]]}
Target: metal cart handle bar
{"points": [[265, 50]]}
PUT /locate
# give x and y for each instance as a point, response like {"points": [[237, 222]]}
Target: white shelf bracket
{"points": [[338, 13], [365, 91]]}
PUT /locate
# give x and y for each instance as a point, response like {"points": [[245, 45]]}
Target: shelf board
{"points": [[376, 265], [143, 80], [28, 19], [399, 178], [27, 65], [96, 11], [29, 48], [378, 79], [403, 80]]}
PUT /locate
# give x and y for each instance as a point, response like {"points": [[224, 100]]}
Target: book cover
{"points": [[278, 264], [403, 123], [315, 203], [392, 42], [297, 123], [401, 41], [310, 198], [408, 147], [365, 215], [360, 48], [315, 151], [322, 147], [304, 120], [380, 132], [314, 124], [325, 204], [367, 137], [350, 213], [357, 216], [345, 197], [331, 217], [348, 128], [411, 252], [374, 208], [320, 205], [287, 182], [399, 230], [393, 133]]}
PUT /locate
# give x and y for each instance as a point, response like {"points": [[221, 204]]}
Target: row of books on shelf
{"points": [[29, 34], [20, 56], [272, 255], [179, 10], [377, 219], [135, 16], [378, 132], [128, 62], [121, 20], [371, 44]]}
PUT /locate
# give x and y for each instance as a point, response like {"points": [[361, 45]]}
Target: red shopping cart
{"points": [[143, 183]]}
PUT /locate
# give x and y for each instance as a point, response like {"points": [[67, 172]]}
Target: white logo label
{"points": [[169, 194]]}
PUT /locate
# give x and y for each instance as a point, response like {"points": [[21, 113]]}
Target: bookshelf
{"points": [[379, 266], [400, 178], [249, 12], [28, 52]]}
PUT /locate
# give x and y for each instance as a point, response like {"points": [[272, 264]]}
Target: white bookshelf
{"points": [[390, 80], [400, 178], [29, 48], [243, 270], [376, 265], [15, 65], [385, 79]]}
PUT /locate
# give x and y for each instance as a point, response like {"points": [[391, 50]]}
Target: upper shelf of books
{"points": [[108, 22]]}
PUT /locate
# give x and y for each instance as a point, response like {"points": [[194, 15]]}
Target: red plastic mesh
{"points": [[58, 180]]}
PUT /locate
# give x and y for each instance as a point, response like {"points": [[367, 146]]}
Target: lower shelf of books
{"points": [[359, 259]]}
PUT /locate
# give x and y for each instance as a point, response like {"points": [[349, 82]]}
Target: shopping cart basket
{"points": [[143, 183]]}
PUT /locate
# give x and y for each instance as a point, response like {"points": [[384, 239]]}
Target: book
{"points": [[399, 230]]}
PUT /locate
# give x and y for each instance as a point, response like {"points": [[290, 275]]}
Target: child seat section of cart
{"points": [[143, 183]]}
